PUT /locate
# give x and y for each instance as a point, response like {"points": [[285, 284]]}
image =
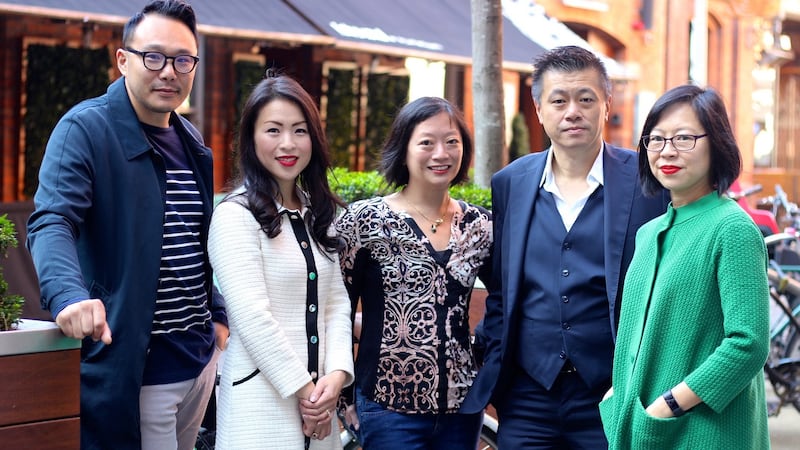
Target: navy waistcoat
{"points": [[564, 314]]}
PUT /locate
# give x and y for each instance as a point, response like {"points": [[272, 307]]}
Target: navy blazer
{"points": [[514, 191], [96, 232]]}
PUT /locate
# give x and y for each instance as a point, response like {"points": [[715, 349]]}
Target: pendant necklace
{"points": [[434, 223]]}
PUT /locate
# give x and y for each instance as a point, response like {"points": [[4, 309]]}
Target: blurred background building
{"points": [[363, 59]]}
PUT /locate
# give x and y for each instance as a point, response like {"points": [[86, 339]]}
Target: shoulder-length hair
{"points": [[726, 159], [261, 187], [395, 149]]}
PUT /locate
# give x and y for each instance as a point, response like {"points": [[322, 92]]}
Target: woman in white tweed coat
{"points": [[290, 350]]}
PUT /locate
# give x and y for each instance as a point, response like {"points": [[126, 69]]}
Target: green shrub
{"points": [[10, 305], [353, 186], [472, 193], [520, 138]]}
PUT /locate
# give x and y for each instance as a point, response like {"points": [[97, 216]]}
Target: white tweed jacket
{"points": [[263, 281]]}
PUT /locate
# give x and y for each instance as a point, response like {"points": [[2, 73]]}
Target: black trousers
{"points": [[564, 417]]}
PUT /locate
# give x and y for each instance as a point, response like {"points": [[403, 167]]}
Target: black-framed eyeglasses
{"points": [[156, 61], [680, 142]]}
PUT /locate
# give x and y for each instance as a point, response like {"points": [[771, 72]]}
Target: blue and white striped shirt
{"points": [[181, 333]]}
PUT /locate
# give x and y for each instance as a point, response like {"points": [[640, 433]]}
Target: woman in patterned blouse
{"points": [[411, 259]]}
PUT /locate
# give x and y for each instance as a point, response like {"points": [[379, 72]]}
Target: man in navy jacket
{"points": [[118, 239], [564, 226]]}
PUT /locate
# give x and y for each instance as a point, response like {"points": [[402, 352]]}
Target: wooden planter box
{"points": [[39, 388]]}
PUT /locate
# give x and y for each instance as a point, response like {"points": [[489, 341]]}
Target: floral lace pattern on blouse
{"points": [[417, 358]]}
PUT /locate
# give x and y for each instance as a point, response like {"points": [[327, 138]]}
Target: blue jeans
{"points": [[382, 429]]}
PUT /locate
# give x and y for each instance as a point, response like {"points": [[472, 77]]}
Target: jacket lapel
{"points": [[522, 193], [620, 181]]}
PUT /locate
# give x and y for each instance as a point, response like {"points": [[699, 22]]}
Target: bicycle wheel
{"points": [[349, 440], [206, 439], [793, 341], [488, 440], [785, 379], [792, 349]]}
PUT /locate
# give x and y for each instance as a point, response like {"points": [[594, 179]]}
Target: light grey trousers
{"points": [[171, 414]]}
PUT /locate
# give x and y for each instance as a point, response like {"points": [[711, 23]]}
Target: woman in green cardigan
{"points": [[693, 333]]}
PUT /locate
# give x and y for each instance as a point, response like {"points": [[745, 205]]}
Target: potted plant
{"points": [[40, 369]]}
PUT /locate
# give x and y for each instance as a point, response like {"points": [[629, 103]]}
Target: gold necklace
{"points": [[434, 223]]}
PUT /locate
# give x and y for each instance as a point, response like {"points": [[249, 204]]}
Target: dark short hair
{"points": [[726, 159], [174, 9], [569, 58], [261, 185], [395, 149]]}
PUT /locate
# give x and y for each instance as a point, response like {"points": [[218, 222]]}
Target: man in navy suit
{"points": [[565, 221]]}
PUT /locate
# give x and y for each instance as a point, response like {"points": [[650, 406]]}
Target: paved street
{"points": [[784, 430]]}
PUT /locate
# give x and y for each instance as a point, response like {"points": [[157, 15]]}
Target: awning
{"points": [[531, 20], [257, 19], [431, 29], [270, 19]]}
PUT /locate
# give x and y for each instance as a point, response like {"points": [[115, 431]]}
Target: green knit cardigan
{"points": [[695, 308]]}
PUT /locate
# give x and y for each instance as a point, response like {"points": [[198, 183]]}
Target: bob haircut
{"points": [[261, 186], [395, 149], [726, 160]]}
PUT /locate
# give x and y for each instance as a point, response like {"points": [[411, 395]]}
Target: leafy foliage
{"points": [[353, 186], [520, 138], [387, 93], [340, 116], [81, 73], [10, 305], [472, 193], [248, 75]]}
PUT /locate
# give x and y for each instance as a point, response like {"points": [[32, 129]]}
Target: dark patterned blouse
{"points": [[414, 353]]}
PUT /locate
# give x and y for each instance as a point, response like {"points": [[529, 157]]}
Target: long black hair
{"points": [[261, 187]]}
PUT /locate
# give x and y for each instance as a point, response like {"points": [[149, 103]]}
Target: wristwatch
{"points": [[677, 411]]}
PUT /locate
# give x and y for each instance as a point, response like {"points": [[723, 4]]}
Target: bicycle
{"points": [[765, 220], [784, 338], [783, 366], [786, 213]]}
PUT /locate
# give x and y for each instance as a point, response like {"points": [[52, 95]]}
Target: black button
{"points": [[567, 246], [565, 299], [565, 326], [562, 355], [565, 273]]}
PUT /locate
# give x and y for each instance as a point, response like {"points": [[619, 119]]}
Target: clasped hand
{"points": [[319, 407]]}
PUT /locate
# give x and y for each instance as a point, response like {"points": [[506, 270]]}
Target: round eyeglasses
{"points": [[680, 142], [156, 61]]}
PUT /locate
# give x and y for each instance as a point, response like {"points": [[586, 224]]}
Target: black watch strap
{"points": [[677, 411]]}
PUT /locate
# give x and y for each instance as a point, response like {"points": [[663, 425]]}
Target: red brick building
{"points": [[649, 45]]}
